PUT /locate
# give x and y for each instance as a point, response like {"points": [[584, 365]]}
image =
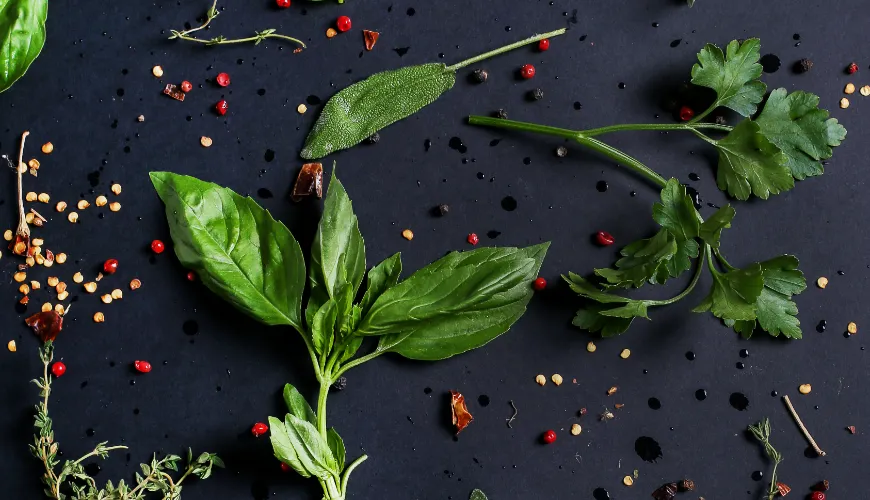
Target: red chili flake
{"points": [[110, 266], [58, 369], [285, 467], [223, 79], [544, 45], [665, 492], [157, 246], [604, 238], [583, 411], [472, 239], [527, 71], [186, 86], [852, 429], [782, 489], [343, 23], [686, 113], [142, 366], [461, 417], [852, 68], [46, 325], [259, 429], [371, 38], [539, 284], [191, 276], [309, 182], [283, 4], [221, 107], [549, 437], [21, 245], [174, 92]]}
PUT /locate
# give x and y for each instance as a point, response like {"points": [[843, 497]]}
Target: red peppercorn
{"points": [[283, 4], [539, 284], [259, 429], [686, 113], [472, 239], [604, 238], [285, 467], [527, 71], [549, 437], [110, 266], [223, 79], [851, 69], [186, 86], [221, 107], [544, 45], [343, 23], [818, 495], [142, 366], [191, 276], [157, 246], [58, 369]]}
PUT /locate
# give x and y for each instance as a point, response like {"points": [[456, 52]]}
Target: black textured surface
{"points": [[206, 390]]}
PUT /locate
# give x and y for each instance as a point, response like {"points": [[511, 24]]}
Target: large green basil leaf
{"points": [[365, 107], [283, 447], [297, 405], [458, 303], [323, 327], [311, 448], [22, 35], [381, 278], [338, 254], [236, 248], [336, 445]]}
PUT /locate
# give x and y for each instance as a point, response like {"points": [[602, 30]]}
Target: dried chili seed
{"points": [[330, 33], [11, 346], [46, 307], [33, 163], [309, 182], [60, 287], [461, 416], [173, 92], [135, 284], [852, 328], [665, 492], [37, 242], [370, 38], [73, 217], [99, 317], [117, 294], [116, 188], [62, 296], [47, 148], [591, 346], [106, 298], [101, 201], [557, 379], [805, 388], [628, 481], [19, 277], [78, 278], [480, 75], [408, 234], [301, 109], [822, 282], [43, 198], [625, 353], [61, 258], [90, 287], [576, 429], [24, 289], [31, 196], [844, 103], [865, 90], [205, 141], [61, 206], [83, 204], [157, 71], [850, 88], [7, 235], [541, 380], [115, 206]]}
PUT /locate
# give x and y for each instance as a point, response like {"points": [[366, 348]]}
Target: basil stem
{"points": [[506, 48]]}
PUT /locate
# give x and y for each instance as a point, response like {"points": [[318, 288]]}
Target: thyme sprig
{"points": [[761, 431], [72, 480], [211, 14]]}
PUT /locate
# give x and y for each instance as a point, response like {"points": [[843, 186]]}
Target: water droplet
{"points": [[483, 400], [770, 63], [601, 186], [648, 449], [654, 403], [509, 203], [190, 327], [739, 401], [701, 394]]}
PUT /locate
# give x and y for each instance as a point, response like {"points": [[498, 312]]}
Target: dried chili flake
{"points": [[852, 429], [665, 492], [174, 92], [783, 489], [46, 325], [461, 417], [686, 485], [309, 182], [371, 38]]}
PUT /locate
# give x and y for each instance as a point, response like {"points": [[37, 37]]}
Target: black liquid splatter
{"points": [[744, 353], [654, 403], [94, 178], [757, 475], [694, 177], [600, 494], [190, 327], [261, 92], [426, 145], [509, 203], [427, 390], [90, 432], [676, 43], [265, 193], [648, 449], [527, 161], [822, 326], [260, 490], [483, 400], [701, 394], [601, 186], [411, 11], [493, 143], [312, 100], [456, 144], [493, 234], [577, 105], [739, 401], [92, 469], [694, 195], [402, 51], [770, 63], [270, 155]]}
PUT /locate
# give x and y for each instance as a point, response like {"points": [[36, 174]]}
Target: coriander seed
{"points": [[844, 103], [628, 481]]}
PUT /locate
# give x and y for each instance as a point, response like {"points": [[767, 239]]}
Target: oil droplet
{"points": [[810, 452], [90, 432], [744, 353], [493, 143], [401, 50], [481, 175], [411, 11], [621, 85], [757, 475], [694, 195], [740, 365], [822, 326], [190, 327], [690, 355], [509, 203], [701, 394], [483, 400], [456, 144], [676, 43], [654, 403], [270, 155], [600, 494], [774, 394], [770, 63], [265, 193], [577, 105], [648, 449], [601, 186], [427, 390], [527, 161], [493, 234], [739, 401], [694, 177], [426, 145]]}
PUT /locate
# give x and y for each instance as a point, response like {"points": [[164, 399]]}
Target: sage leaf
{"points": [[750, 164], [338, 253], [236, 248], [336, 445], [297, 404], [282, 446], [22, 36], [733, 75], [311, 448], [381, 278], [477, 495], [458, 303]]}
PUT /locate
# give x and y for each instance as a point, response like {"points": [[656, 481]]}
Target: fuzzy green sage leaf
{"points": [[360, 110], [22, 36]]}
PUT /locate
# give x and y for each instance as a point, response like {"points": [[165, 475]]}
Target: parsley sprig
{"points": [[762, 155]]}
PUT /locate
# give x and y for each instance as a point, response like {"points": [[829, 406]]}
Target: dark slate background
{"points": [[207, 390]]}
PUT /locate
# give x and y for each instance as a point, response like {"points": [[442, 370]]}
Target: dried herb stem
{"points": [[23, 230], [211, 14], [514, 416], [801, 426]]}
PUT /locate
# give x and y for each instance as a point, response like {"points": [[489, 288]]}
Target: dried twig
{"points": [[23, 231], [510, 420], [803, 429]]}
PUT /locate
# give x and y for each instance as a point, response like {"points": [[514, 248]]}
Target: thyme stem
{"points": [[801, 426], [761, 431], [221, 40]]}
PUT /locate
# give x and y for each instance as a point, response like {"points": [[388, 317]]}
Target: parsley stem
{"points": [[504, 49], [524, 126], [690, 287], [653, 126], [622, 158]]}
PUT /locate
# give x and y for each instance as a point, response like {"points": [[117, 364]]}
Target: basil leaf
{"points": [[323, 327], [338, 252], [310, 447], [381, 278], [458, 303], [336, 445], [357, 112], [282, 446], [297, 405], [236, 248], [22, 36]]}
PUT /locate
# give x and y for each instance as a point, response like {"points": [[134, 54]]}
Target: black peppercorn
{"points": [[373, 139], [501, 114], [803, 66], [665, 492], [686, 485], [561, 151], [340, 384], [443, 209], [536, 95], [480, 75]]}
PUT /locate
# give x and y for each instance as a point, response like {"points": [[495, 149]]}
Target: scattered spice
{"points": [[801, 426], [330, 33], [852, 328], [527, 71], [665, 492], [309, 182], [541, 380], [557, 379], [850, 88], [536, 94], [90, 287], [99, 317], [844, 103], [852, 68], [549, 437], [61, 257], [865, 90], [628, 481], [78, 278], [782, 489], [47, 148], [591, 346], [408, 234], [686, 485], [851, 429], [221, 107], [115, 206], [539, 284], [301, 109], [472, 239], [576, 429], [61, 206], [803, 65], [461, 416], [805, 388], [116, 189], [157, 71], [370, 38], [222, 79], [186, 86], [11, 346], [823, 485], [83, 204], [511, 420], [174, 92], [625, 353], [135, 284], [822, 282], [443, 209], [117, 294], [612, 390], [101, 201], [480, 75], [561, 151], [106, 298], [607, 415]]}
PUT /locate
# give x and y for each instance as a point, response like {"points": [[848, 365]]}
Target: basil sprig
{"points": [[22, 35], [458, 303]]}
